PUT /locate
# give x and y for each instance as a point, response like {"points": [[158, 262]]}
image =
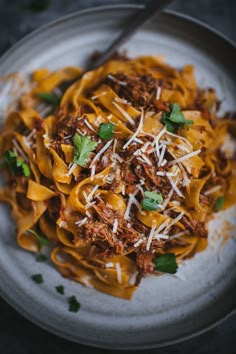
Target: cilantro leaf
{"points": [[175, 118], [74, 305], [25, 169], [60, 289], [49, 97], [152, 200], [41, 258], [16, 164], [83, 145], [166, 263], [37, 278], [106, 131], [219, 203], [41, 239]]}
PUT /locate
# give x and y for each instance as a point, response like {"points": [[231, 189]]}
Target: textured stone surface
{"points": [[19, 336]]}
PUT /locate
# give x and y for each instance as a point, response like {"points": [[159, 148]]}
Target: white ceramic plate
{"points": [[164, 309]]}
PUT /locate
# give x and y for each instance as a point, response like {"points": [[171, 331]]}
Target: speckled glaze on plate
{"points": [[164, 309]]}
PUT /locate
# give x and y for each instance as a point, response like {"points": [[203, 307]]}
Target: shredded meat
{"points": [[67, 125], [144, 262], [139, 90], [196, 227], [99, 231]]}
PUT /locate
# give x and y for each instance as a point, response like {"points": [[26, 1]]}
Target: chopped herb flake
{"points": [[151, 201], [175, 118], [50, 98], [166, 263], [37, 278], [16, 164], [41, 239], [219, 203], [106, 131], [74, 305], [83, 146], [41, 258], [60, 289]]}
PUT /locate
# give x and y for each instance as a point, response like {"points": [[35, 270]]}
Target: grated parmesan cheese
{"points": [[166, 201], [179, 234], [180, 137], [138, 243], [150, 237], [90, 196], [93, 171], [81, 222], [158, 93], [111, 77], [125, 114], [174, 221], [115, 226], [161, 227], [185, 157], [136, 133], [212, 190], [181, 147], [118, 272], [72, 168], [89, 125], [105, 147], [121, 100], [174, 186], [162, 154], [163, 236]]}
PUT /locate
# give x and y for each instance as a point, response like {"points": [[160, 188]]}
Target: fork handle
{"points": [[138, 20]]}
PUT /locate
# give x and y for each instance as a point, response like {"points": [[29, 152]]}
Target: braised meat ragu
{"points": [[122, 175]]}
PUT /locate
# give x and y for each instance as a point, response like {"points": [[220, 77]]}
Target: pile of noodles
{"points": [[92, 214]]}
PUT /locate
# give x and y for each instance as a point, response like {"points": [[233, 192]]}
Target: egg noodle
{"points": [[122, 174]]}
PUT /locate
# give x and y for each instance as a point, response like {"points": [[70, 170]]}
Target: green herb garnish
{"points": [[60, 289], [83, 146], [152, 200], [166, 263], [175, 118], [219, 203], [74, 305], [106, 131], [41, 257], [50, 98], [41, 239], [15, 163], [39, 5], [37, 278]]}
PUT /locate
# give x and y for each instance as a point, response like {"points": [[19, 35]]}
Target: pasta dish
{"points": [[122, 174]]}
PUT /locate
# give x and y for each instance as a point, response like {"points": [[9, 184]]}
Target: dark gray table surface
{"points": [[18, 335]]}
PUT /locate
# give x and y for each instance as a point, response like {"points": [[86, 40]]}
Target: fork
{"points": [[142, 16]]}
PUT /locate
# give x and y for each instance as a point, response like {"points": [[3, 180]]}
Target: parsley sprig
{"points": [[152, 200], [16, 164], [106, 131], [83, 146], [166, 263], [175, 118]]}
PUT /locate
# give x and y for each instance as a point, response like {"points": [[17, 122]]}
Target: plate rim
{"points": [[3, 58]]}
